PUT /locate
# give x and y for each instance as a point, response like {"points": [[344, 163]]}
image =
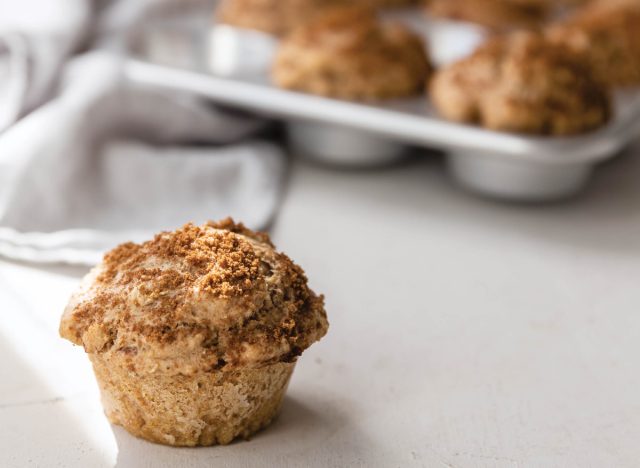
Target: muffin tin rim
{"points": [[386, 119]]}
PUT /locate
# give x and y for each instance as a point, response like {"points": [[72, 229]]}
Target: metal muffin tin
{"points": [[231, 67]]}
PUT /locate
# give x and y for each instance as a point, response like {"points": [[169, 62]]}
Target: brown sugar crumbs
{"points": [[224, 264], [221, 282], [193, 258]]}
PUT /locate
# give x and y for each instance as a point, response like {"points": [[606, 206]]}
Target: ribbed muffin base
{"points": [[207, 408]]}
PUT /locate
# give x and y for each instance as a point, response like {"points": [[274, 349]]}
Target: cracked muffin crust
{"points": [[499, 15], [347, 53], [607, 34], [522, 83], [210, 307]]}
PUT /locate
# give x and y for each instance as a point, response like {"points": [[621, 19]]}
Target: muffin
{"points": [[607, 34], [194, 335], [347, 53], [499, 15], [389, 3], [522, 83], [277, 17]]}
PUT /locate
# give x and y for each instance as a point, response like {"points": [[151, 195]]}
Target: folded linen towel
{"points": [[89, 159]]}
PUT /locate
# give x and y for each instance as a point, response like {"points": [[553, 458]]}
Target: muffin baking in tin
{"points": [[552, 82], [515, 82], [522, 83], [276, 17], [348, 53], [283, 16], [606, 34], [498, 15]]}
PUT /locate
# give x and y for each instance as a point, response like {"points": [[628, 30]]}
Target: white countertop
{"points": [[464, 333]]}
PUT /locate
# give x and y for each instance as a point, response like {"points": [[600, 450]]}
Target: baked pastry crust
{"points": [[498, 15], [347, 53], [522, 83], [607, 34]]}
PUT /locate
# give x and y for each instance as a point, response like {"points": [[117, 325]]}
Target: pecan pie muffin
{"points": [[522, 83], [348, 53], [607, 34], [193, 335]]}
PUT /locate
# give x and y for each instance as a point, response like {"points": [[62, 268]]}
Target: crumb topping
{"points": [[280, 17], [522, 82], [218, 293], [607, 35], [277, 17], [221, 262], [349, 53], [497, 15]]}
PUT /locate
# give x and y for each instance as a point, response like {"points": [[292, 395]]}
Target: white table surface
{"points": [[464, 333]]}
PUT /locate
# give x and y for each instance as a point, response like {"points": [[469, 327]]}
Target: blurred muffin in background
{"points": [[607, 34], [348, 53], [388, 3], [522, 83], [280, 17], [499, 15], [271, 16]]}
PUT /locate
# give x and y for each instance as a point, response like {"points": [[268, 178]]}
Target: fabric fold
{"points": [[102, 160]]}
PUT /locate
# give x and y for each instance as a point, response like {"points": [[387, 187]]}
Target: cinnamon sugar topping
{"points": [[218, 293], [224, 263]]}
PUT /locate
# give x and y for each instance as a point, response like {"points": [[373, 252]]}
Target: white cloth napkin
{"points": [[88, 159]]}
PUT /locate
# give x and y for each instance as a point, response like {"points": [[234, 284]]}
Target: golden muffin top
{"points": [[500, 15], [208, 297], [607, 34], [523, 83], [349, 53]]}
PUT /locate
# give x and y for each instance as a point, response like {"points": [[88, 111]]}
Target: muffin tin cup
{"points": [[234, 51], [502, 178], [334, 145]]}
